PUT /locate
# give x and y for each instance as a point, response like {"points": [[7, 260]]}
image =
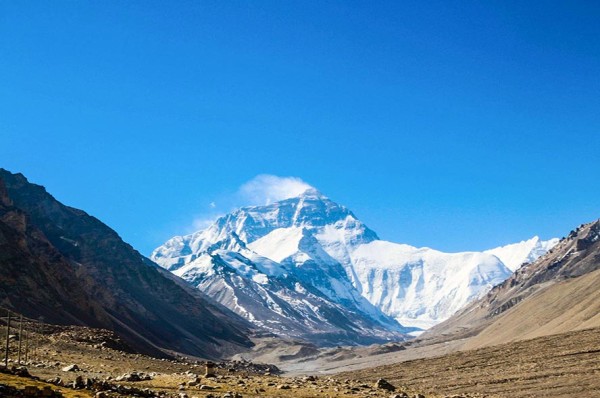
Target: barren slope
{"points": [[566, 306], [564, 365]]}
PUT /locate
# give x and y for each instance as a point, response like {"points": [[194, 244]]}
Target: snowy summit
{"points": [[307, 265]]}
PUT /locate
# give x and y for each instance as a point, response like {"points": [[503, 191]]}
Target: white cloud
{"points": [[262, 189], [266, 188]]}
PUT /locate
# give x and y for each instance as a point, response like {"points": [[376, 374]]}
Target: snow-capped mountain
{"points": [[266, 264], [295, 265], [524, 252]]}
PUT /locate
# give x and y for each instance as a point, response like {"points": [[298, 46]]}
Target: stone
{"points": [[283, 387], [20, 371], [71, 368], [133, 376], [56, 381], [79, 383], [384, 385], [209, 370], [31, 391]]}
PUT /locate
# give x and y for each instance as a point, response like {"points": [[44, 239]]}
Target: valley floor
{"points": [[564, 365], [99, 367], [554, 366]]}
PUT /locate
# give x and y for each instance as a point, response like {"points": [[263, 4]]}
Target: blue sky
{"points": [[455, 125]]}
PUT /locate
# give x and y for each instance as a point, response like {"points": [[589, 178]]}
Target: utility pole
{"points": [[26, 347], [7, 340], [34, 337], [20, 339]]}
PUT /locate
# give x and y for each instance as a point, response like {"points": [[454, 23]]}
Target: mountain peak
{"points": [[312, 193], [527, 251]]}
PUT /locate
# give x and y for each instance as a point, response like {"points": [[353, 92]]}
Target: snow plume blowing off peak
{"points": [[265, 189]]}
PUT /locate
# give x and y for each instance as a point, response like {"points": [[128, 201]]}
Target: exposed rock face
{"points": [[36, 278], [66, 266]]}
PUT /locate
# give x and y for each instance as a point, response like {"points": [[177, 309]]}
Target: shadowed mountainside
{"points": [[68, 267]]}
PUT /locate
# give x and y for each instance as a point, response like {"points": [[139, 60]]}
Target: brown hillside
{"points": [[68, 267]]}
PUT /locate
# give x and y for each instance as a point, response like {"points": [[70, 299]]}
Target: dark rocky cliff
{"points": [[66, 266]]}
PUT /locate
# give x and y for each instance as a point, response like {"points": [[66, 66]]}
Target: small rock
{"points": [[205, 387], [384, 385], [283, 387], [20, 371], [71, 368], [31, 391], [56, 381], [79, 383]]}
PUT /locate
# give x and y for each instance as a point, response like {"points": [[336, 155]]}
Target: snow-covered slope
{"points": [[266, 264], [267, 295], [422, 287], [524, 252], [299, 265]]}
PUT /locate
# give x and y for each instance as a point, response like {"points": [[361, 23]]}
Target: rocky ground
{"points": [[563, 365], [83, 362]]}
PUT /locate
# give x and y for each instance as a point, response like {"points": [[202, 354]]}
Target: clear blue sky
{"points": [[455, 125]]}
